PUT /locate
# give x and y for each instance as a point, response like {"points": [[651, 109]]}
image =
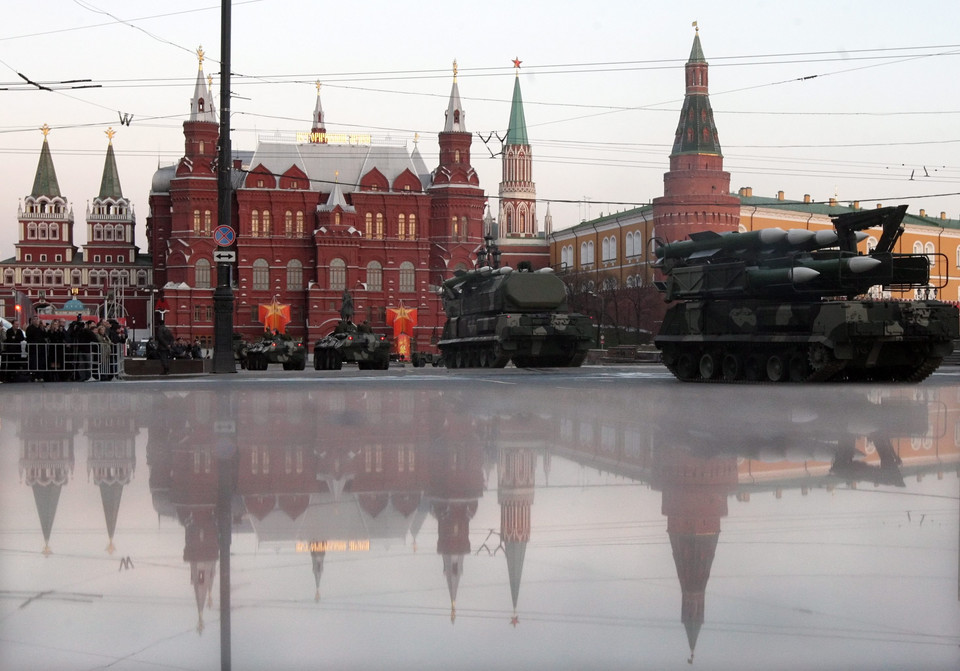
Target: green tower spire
{"points": [[45, 182]]}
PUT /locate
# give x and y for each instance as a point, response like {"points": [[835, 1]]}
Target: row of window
{"points": [[373, 226], [55, 277], [337, 275], [43, 231], [109, 232]]}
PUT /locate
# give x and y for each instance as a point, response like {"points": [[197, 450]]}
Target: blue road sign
{"points": [[224, 236]]}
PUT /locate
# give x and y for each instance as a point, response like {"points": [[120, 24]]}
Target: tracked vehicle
{"points": [[774, 305], [498, 315]]}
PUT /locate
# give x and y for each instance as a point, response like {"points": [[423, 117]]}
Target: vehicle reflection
{"points": [[310, 472]]}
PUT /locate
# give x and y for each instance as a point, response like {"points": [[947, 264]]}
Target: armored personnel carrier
{"points": [[276, 348], [350, 344], [795, 305], [498, 315]]}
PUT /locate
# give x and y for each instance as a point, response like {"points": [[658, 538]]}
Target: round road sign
{"points": [[224, 236]]}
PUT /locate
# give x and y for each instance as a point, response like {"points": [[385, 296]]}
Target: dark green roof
{"points": [[696, 52], [45, 182], [110, 182], [696, 132], [517, 130]]}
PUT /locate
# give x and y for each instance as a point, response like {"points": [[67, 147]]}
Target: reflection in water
{"points": [[317, 472]]}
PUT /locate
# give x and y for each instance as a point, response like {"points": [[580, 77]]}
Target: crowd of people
{"points": [[56, 351], [81, 350]]}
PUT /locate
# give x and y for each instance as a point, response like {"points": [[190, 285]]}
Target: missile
{"points": [[707, 243], [759, 278], [772, 240]]}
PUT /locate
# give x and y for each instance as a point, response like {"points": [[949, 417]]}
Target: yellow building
{"points": [[616, 251]]}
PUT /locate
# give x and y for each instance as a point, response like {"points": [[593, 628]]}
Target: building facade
{"points": [[316, 215], [50, 274]]}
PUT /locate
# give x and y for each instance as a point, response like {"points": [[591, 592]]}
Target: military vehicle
{"points": [[350, 344], [498, 315], [276, 348], [775, 305]]}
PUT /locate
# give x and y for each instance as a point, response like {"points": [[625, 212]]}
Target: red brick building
{"points": [[316, 215]]}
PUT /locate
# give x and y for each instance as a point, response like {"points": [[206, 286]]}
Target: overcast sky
{"points": [[821, 98]]}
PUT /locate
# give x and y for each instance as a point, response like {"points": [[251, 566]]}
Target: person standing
{"points": [[165, 343], [36, 337]]}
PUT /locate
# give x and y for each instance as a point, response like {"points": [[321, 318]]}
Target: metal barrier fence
{"points": [[60, 362]]}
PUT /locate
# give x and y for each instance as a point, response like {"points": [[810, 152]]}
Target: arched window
{"points": [[255, 224], [631, 282], [261, 275], [379, 225], [918, 247], [454, 227], [75, 278], [931, 252], [8, 276], [120, 235], [871, 244], [207, 222], [958, 257], [288, 223], [141, 278], [368, 226], [48, 277], [202, 274], [294, 275], [108, 232], [338, 274], [401, 227], [412, 230], [196, 222], [299, 223], [54, 231], [408, 282], [463, 228], [605, 249], [266, 224], [374, 276], [32, 231], [613, 249], [586, 252]]}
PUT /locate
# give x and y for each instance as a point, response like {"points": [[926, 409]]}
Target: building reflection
{"points": [[328, 470]]}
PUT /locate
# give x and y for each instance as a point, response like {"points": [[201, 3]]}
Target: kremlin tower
{"points": [[696, 190], [518, 233]]}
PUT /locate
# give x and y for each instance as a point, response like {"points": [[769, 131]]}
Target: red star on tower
{"points": [[517, 62]]}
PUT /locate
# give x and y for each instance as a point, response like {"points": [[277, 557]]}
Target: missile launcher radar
{"points": [[791, 305]]}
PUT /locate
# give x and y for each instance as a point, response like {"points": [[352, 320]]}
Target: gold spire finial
{"points": [[209, 81], [695, 27], [454, 69], [200, 56], [110, 133], [318, 86], [416, 138], [45, 129]]}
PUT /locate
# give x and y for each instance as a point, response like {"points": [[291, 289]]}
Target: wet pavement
{"points": [[604, 517]]}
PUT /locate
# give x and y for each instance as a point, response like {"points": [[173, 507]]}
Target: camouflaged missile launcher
{"points": [[794, 305]]}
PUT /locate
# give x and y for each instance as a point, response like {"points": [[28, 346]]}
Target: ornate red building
{"points": [[107, 277], [316, 215]]}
